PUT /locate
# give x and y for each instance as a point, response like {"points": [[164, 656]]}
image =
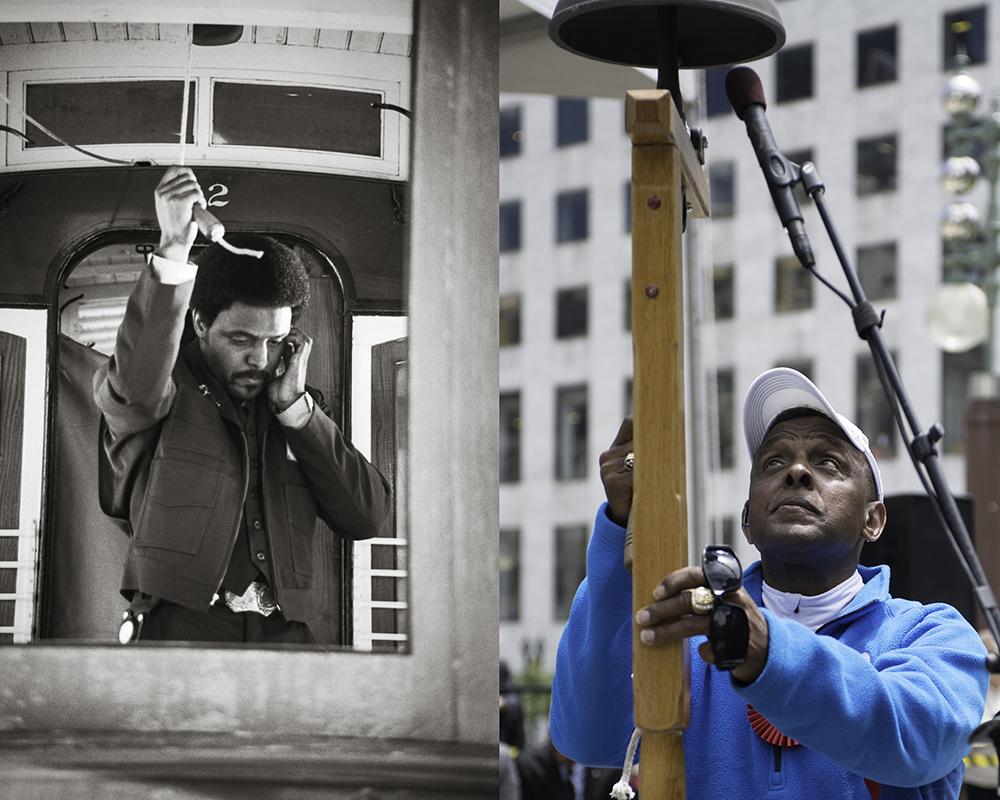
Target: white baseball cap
{"points": [[782, 389]]}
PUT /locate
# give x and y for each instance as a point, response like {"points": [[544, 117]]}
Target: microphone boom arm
{"points": [[921, 444]]}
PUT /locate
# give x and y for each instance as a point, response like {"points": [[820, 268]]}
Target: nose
{"points": [[799, 475], [257, 356]]}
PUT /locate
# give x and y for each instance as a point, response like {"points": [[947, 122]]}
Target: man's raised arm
{"points": [[134, 389]]}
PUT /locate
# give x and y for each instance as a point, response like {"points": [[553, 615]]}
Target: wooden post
{"points": [[663, 160]]}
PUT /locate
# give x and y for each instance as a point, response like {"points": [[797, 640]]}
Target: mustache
{"points": [[795, 501], [251, 374]]}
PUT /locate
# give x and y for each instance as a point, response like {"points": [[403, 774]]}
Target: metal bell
{"points": [[697, 33]]}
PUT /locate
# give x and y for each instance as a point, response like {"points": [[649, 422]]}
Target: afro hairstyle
{"points": [[276, 280]]}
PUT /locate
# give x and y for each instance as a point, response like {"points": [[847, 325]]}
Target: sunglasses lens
{"points": [[722, 569], [729, 634]]}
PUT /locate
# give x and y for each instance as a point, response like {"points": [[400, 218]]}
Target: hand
{"points": [[289, 382], [616, 479], [176, 194], [669, 619]]}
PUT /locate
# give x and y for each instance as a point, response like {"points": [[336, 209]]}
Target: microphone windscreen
{"points": [[744, 89]]}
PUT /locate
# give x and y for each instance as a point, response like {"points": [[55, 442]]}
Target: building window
{"points": [[795, 73], [510, 319], [723, 292], [800, 157], [510, 226], [876, 56], [571, 216], [803, 365], [570, 566], [793, 285], [956, 368], [877, 270], [627, 206], [510, 437], [965, 33], [571, 312], [571, 121], [876, 164], [511, 134], [716, 99], [571, 432], [725, 398], [724, 530], [627, 304], [873, 415], [510, 574], [628, 397], [722, 188]]}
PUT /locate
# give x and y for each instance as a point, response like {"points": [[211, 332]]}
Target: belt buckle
{"points": [[258, 598]]}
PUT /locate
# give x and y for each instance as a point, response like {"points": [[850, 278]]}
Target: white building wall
{"points": [[830, 123], [538, 503]]}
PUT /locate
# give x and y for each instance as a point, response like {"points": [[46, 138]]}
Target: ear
{"points": [[745, 522], [198, 323], [874, 521]]}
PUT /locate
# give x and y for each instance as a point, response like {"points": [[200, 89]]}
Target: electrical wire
{"points": [[211, 228], [58, 138]]}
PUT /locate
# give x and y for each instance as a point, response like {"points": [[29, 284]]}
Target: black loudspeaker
{"points": [[923, 564]]}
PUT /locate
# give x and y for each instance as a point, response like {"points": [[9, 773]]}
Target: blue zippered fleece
{"points": [[888, 691]]}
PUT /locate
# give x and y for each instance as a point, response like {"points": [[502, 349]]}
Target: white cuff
{"points": [[172, 273], [298, 413]]}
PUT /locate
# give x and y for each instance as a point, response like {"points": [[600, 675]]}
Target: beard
{"points": [[247, 384]]}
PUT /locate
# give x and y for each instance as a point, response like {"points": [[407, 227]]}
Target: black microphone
{"points": [[747, 97]]}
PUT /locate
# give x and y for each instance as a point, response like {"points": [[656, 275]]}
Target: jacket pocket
{"points": [[302, 518], [181, 497], [182, 436]]}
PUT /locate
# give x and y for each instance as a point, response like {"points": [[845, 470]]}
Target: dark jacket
{"points": [[179, 466]]}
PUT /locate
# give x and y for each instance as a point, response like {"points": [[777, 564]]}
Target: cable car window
{"points": [[298, 117], [379, 412], [22, 454], [109, 112]]}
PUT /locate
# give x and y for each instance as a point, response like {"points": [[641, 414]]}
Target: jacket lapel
{"points": [[205, 381]]}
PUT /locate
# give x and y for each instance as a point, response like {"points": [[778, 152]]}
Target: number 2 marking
{"points": [[216, 192]]}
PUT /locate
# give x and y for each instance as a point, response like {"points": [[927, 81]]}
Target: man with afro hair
{"points": [[215, 453]]}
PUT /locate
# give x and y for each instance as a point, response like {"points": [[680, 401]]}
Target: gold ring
{"points": [[702, 601], [629, 461]]}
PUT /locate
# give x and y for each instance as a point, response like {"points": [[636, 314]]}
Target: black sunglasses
{"points": [[729, 629]]}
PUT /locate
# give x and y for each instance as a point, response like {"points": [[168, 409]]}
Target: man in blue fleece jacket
{"points": [[844, 692]]}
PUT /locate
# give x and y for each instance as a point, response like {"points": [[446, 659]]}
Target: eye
{"points": [[770, 462], [240, 341]]}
